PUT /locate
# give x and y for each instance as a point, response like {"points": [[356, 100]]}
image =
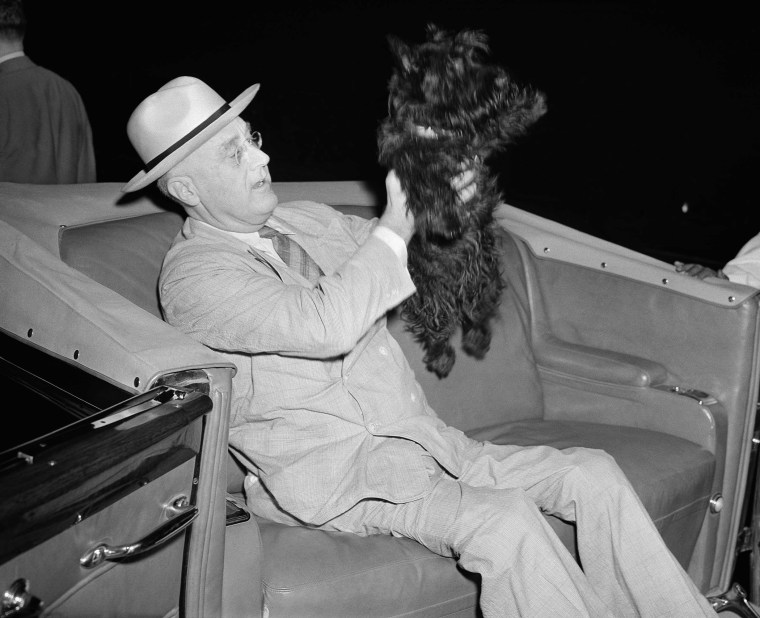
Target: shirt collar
{"points": [[247, 236], [11, 56], [252, 239]]}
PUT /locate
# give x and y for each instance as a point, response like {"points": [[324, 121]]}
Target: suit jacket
{"points": [[326, 411], [45, 135]]}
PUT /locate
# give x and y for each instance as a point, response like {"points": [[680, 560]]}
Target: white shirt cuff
{"points": [[393, 240]]}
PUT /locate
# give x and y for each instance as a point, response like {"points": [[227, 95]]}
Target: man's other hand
{"points": [[464, 185], [698, 271]]}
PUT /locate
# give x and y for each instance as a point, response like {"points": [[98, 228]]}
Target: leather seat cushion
{"points": [[315, 573], [672, 477]]}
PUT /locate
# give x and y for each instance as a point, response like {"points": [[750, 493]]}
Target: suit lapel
{"points": [[327, 246], [261, 258]]}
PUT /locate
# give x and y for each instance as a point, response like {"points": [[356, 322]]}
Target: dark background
{"points": [[651, 139]]}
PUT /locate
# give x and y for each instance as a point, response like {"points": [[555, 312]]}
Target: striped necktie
{"points": [[293, 254]]}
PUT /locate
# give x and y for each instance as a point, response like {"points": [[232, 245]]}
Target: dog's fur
{"points": [[448, 111]]}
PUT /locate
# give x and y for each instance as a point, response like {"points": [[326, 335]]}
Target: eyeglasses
{"points": [[253, 140]]}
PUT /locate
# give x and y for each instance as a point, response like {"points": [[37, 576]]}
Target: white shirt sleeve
{"points": [[393, 240], [745, 267]]}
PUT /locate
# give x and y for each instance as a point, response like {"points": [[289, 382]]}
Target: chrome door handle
{"points": [[185, 516]]}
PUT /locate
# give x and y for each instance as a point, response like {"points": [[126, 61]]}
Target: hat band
{"points": [[178, 144]]}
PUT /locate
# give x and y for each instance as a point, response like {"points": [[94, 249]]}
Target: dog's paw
{"points": [[476, 342], [442, 363]]}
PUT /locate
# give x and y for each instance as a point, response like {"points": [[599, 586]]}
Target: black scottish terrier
{"points": [[448, 111]]}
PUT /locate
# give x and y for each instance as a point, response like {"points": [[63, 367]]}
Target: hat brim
{"points": [[143, 178]]}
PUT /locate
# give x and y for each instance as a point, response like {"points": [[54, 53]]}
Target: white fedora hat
{"points": [[174, 121]]}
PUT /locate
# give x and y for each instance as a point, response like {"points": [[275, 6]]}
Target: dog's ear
{"points": [[525, 107], [435, 34], [402, 52], [474, 44]]}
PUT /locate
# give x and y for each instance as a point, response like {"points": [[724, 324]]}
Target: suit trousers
{"points": [[491, 519]]}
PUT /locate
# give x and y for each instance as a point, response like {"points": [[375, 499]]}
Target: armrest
{"points": [[592, 363], [592, 384], [667, 411], [595, 385]]}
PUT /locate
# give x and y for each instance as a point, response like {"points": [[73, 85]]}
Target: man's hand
{"points": [[464, 185], [397, 216], [698, 271]]}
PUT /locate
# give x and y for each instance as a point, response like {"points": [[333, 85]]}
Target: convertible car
{"points": [[121, 497]]}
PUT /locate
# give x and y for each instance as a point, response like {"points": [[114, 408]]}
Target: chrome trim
{"points": [[103, 552], [735, 600], [18, 602]]}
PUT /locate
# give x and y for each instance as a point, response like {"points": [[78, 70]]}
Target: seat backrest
{"points": [[123, 254], [126, 253], [505, 385]]}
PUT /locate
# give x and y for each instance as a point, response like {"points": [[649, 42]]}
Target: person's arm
{"points": [[232, 302]]}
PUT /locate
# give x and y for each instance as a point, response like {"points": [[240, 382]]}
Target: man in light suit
{"points": [[339, 434]]}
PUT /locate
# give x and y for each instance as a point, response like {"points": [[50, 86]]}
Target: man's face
{"points": [[232, 180]]}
